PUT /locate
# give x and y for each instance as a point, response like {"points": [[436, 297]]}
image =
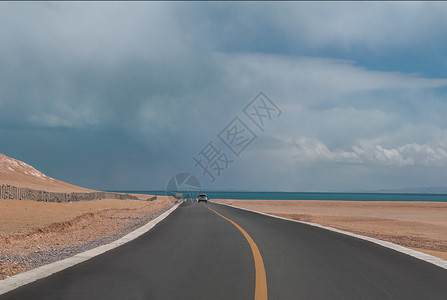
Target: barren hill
{"points": [[20, 174]]}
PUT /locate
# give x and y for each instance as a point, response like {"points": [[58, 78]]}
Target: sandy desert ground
{"points": [[32, 232], [420, 226]]}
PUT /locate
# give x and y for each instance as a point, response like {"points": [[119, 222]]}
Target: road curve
{"points": [[197, 254]]}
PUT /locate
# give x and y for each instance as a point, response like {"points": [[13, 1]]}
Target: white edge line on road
{"points": [[419, 255], [18, 280]]}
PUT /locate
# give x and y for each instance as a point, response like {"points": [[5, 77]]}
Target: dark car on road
{"points": [[202, 197]]}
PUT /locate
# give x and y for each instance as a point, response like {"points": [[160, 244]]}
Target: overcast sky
{"points": [[122, 96]]}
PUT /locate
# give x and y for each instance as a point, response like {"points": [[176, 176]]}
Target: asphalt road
{"points": [[197, 254]]}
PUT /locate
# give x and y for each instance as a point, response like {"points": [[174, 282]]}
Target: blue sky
{"points": [[124, 95]]}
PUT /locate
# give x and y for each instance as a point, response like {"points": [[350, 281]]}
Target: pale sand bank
{"points": [[420, 226]]}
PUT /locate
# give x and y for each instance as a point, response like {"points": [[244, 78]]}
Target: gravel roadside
{"points": [[36, 256]]}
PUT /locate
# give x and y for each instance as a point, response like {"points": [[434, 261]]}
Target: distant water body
{"points": [[311, 196]]}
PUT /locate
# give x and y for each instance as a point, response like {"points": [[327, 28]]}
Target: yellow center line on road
{"points": [[260, 277]]}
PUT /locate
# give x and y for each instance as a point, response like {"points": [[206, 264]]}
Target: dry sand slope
{"points": [[17, 173], [421, 226], [33, 233]]}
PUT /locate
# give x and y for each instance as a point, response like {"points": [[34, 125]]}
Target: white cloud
{"points": [[62, 115], [312, 150]]}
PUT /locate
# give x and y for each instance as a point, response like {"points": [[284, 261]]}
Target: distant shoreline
{"points": [[323, 196]]}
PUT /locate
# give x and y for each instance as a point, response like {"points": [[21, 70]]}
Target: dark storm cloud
{"points": [[121, 80], [131, 91], [75, 72]]}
